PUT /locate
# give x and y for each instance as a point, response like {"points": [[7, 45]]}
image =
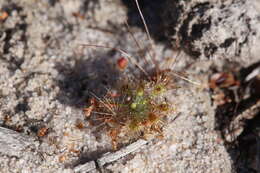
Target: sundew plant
{"points": [[138, 106]]}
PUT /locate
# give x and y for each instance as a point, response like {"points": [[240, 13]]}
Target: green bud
{"points": [[140, 93], [144, 102], [133, 105]]}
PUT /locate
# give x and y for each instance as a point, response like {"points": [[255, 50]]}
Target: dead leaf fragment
{"points": [[3, 15]]}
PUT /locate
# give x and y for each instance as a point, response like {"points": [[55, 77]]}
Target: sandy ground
{"points": [[45, 79]]}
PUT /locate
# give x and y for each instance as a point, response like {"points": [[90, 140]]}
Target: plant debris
{"points": [[236, 95]]}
